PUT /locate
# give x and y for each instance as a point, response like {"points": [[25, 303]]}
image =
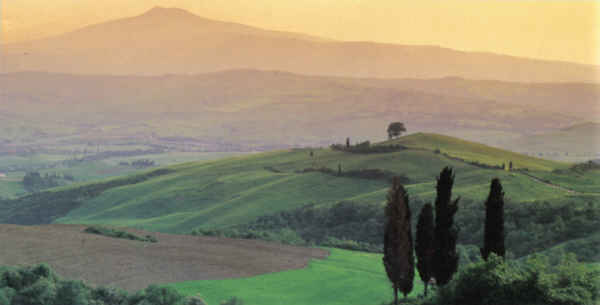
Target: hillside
{"points": [[265, 110], [227, 192], [576, 142], [102, 260], [173, 41]]}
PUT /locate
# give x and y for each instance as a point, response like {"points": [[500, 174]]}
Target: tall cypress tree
{"points": [[398, 257], [445, 260], [493, 236], [424, 244]]}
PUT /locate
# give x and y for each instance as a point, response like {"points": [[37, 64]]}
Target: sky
{"points": [[565, 30]]}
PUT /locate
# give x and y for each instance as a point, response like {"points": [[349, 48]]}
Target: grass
{"points": [[236, 190], [14, 166], [345, 277], [472, 151]]}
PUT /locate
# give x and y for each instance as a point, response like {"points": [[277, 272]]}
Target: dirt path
{"points": [[133, 265]]}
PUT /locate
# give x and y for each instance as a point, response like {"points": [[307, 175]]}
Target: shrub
{"points": [[73, 293], [499, 282], [155, 295]]}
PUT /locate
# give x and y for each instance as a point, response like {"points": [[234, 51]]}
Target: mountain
{"points": [[248, 109], [174, 41]]}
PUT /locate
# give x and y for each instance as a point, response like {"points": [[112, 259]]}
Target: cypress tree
{"points": [[493, 238], [445, 260], [424, 244], [398, 257]]}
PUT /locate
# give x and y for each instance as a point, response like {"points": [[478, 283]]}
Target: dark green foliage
{"points": [[346, 225], [38, 285], [395, 129], [366, 148], [155, 295], [424, 244], [446, 233], [73, 293], [143, 163], [398, 257], [493, 238], [34, 182], [110, 232], [109, 296], [45, 207], [233, 301], [531, 226], [500, 282]]}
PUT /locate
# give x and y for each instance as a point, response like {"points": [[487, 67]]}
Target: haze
{"points": [[553, 30]]}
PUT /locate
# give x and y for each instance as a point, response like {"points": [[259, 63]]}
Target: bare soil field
{"points": [[133, 265]]}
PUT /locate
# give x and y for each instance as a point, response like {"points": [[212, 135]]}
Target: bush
{"points": [[109, 232], [39, 285], [497, 282], [73, 293], [155, 295]]}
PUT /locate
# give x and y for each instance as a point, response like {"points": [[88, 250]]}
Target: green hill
{"points": [[471, 151], [233, 191]]}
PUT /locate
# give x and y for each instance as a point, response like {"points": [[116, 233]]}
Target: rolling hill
{"points": [[174, 41], [233, 191], [576, 142], [262, 110]]}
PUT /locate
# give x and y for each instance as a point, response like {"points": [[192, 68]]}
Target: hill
{"points": [[265, 110], [577, 142], [169, 40], [133, 265], [227, 192]]}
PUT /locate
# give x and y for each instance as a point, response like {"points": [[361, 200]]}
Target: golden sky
{"points": [[546, 29]]}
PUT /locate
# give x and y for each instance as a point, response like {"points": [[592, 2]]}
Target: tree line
{"points": [[493, 280]]}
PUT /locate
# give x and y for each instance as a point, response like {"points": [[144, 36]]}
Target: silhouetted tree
{"points": [[398, 257], [424, 244], [493, 238], [445, 256], [395, 129]]}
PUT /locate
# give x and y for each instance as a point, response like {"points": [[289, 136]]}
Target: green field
{"points": [[472, 151], [233, 191], [13, 167], [345, 277]]}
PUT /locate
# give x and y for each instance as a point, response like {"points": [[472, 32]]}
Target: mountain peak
{"points": [[160, 11]]}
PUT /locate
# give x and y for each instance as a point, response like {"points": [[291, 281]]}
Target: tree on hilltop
{"points": [[395, 129]]}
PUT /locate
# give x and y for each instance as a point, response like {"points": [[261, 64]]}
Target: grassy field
{"points": [[472, 151], [11, 186], [237, 190], [345, 277]]}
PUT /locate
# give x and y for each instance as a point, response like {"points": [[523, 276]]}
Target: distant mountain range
{"points": [[174, 41], [272, 109]]}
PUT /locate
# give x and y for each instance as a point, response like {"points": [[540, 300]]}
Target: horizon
{"points": [[546, 35]]}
